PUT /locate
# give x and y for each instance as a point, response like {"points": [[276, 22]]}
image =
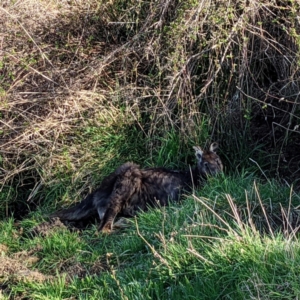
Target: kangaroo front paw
{"points": [[107, 229]]}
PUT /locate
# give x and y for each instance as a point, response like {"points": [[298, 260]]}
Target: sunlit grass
{"points": [[210, 245], [88, 85]]}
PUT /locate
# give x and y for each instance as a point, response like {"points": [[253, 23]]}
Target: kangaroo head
{"points": [[208, 161]]}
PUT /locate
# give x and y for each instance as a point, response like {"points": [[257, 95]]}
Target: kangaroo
{"points": [[130, 189]]}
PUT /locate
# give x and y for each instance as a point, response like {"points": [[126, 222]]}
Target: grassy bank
{"points": [[88, 85], [221, 242]]}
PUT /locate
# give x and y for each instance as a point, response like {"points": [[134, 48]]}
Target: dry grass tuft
{"points": [[17, 268]]}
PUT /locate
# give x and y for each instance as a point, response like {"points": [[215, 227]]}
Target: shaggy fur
{"points": [[131, 189]]}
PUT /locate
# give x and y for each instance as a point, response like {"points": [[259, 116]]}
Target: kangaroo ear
{"points": [[198, 152], [213, 147]]}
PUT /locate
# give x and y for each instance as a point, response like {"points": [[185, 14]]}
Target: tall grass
{"points": [[88, 85]]}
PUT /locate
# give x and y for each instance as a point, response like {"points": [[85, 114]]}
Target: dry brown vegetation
{"points": [[16, 268], [228, 70]]}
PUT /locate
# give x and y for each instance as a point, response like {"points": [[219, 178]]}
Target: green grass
{"points": [[198, 249], [222, 242], [144, 82]]}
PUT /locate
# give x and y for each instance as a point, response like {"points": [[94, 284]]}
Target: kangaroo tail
{"points": [[82, 210]]}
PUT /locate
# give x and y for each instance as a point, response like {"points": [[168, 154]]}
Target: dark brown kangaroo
{"points": [[131, 189]]}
